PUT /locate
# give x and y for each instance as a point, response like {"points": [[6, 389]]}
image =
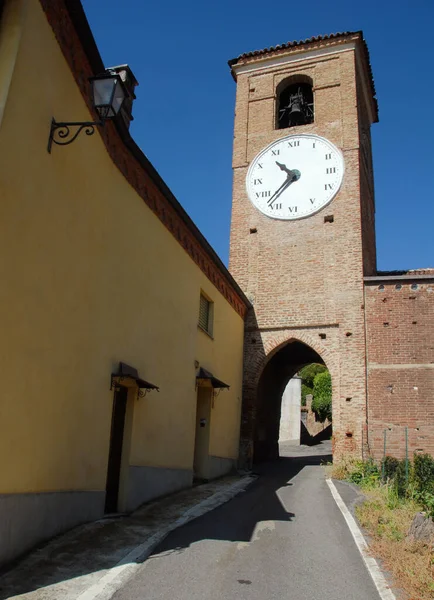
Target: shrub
{"points": [[423, 480], [423, 473], [307, 375], [356, 474], [322, 396], [426, 499], [414, 486], [400, 479], [389, 466], [364, 473]]}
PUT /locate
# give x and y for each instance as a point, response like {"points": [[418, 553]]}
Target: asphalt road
{"points": [[283, 539]]}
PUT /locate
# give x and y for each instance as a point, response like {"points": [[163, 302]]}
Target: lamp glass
{"points": [[118, 98], [108, 95]]}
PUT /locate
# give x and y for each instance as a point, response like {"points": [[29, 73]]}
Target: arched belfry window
{"points": [[294, 102]]}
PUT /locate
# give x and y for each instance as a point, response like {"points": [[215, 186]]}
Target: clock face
{"points": [[295, 176]]}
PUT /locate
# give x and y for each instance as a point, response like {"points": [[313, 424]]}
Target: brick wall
{"points": [[400, 352]]}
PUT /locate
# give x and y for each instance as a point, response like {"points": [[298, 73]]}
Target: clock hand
{"points": [[292, 175], [280, 191], [283, 167]]}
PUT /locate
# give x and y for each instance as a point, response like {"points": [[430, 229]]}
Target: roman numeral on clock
{"points": [[257, 181], [277, 206], [266, 194], [328, 186], [292, 209], [294, 144], [330, 170], [312, 200], [328, 156], [260, 166], [275, 152]]}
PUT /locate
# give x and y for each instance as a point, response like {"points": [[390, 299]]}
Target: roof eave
{"points": [[257, 55]]}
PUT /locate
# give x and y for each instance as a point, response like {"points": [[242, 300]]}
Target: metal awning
{"points": [[204, 375], [129, 376]]}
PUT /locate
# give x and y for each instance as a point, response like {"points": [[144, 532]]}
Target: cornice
{"points": [[74, 36], [408, 276]]}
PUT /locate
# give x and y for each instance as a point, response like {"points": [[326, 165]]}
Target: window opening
{"points": [[206, 314]]}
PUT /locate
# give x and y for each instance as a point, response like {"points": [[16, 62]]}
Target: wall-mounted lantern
{"points": [[108, 94]]}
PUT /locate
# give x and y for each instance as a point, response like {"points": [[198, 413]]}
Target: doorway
{"points": [[278, 371], [201, 445], [115, 452]]}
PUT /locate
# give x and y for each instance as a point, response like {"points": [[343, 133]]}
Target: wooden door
{"points": [[115, 452]]}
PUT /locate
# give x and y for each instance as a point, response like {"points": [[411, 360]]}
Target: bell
{"points": [[296, 113]]}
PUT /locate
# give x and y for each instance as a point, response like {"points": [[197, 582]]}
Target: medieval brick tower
{"points": [[302, 231]]}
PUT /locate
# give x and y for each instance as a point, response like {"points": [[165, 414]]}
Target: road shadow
{"points": [[237, 520], [90, 549]]}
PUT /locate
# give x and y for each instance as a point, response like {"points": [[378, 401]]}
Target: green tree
{"points": [[307, 375], [322, 396]]}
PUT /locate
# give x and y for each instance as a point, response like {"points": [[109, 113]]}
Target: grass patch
{"points": [[387, 519]]}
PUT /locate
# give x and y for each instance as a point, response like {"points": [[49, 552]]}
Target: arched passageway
{"points": [[280, 368]]}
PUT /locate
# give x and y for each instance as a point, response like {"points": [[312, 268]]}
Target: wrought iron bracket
{"points": [[116, 381], [61, 134], [114, 385], [141, 392]]}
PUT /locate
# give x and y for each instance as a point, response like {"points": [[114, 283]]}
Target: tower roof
{"points": [[339, 37]]}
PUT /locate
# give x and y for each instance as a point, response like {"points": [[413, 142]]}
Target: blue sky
{"points": [[185, 101]]}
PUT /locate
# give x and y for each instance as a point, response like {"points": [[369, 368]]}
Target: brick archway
{"points": [[274, 342], [272, 358]]}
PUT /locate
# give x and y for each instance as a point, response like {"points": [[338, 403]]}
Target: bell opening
{"points": [[295, 106]]}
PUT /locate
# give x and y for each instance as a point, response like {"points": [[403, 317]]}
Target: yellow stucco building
{"points": [[104, 281]]}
